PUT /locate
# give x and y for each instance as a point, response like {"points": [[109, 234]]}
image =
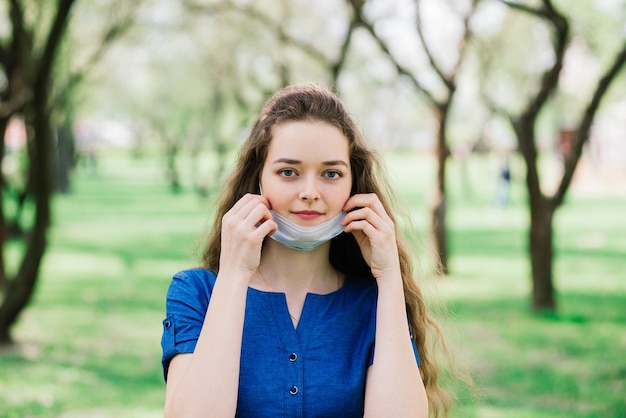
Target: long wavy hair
{"points": [[311, 102]]}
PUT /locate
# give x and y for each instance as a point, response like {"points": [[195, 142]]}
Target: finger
{"points": [[245, 221], [266, 228], [358, 201], [363, 214], [240, 209], [244, 206], [259, 215], [363, 226]]}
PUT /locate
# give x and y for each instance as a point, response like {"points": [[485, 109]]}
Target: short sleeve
{"points": [[187, 300]]}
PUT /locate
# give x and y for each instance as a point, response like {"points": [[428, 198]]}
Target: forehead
{"points": [[308, 139]]}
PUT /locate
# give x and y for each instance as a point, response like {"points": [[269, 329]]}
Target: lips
{"points": [[308, 214]]}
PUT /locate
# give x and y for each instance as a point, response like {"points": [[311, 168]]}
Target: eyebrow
{"points": [[296, 162]]}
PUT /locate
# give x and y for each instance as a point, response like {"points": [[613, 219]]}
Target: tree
{"points": [[216, 94], [542, 206], [27, 57], [439, 98], [333, 62], [94, 32]]}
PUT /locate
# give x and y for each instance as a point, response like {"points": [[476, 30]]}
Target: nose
{"points": [[309, 193]]}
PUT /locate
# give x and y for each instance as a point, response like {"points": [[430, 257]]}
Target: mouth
{"points": [[308, 214]]}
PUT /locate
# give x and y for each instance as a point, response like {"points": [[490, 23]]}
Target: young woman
{"points": [[306, 305]]}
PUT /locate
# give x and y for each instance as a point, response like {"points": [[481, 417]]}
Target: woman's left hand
{"points": [[375, 233]]}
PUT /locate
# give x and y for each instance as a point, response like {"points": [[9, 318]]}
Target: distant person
{"points": [[504, 183], [306, 304]]}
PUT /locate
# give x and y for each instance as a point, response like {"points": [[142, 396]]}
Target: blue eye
{"points": [[287, 172], [332, 174]]}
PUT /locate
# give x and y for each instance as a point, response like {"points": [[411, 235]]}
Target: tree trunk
{"points": [[541, 255], [541, 215], [3, 224], [173, 176], [65, 156], [20, 289], [37, 115], [438, 210]]}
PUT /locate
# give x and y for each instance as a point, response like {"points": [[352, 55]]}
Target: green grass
{"points": [[88, 345]]}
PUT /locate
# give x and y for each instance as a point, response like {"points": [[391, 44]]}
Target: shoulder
{"points": [[197, 276], [196, 283]]}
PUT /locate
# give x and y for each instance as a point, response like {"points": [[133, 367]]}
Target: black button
{"points": [[293, 357], [293, 390]]}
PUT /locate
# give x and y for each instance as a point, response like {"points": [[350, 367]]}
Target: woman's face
{"points": [[307, 176]]}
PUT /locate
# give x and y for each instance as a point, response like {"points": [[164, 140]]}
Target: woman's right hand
{"points": [[244, 227]]}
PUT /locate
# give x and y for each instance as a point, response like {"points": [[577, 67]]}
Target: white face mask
{"points": [[303, 238]]}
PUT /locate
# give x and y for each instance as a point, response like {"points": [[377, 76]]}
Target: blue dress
{"points": [[315, 370]]}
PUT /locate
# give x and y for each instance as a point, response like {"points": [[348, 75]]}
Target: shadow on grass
{"points": [[569, 364]]}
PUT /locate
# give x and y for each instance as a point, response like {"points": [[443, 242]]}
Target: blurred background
{"points": [[502, 125]]}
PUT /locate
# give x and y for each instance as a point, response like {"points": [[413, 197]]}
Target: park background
{"points": [[124, 116]]}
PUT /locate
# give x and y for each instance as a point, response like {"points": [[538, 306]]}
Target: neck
{"points": [[287, 270]]}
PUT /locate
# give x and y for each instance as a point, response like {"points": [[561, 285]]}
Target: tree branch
{"points": [[582, 134], [264, 19], [54, 38], [364, 23], [467, 35], [550, 78], [343, 52], [113, 32], [446, 80], [523, 8], [524, 123]]}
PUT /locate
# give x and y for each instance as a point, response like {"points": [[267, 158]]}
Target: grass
{"points": [[88, 345]]}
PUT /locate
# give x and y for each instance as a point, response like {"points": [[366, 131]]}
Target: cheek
{"points": [[265, 186], [350, 186], [344, 194], [275, 195]]}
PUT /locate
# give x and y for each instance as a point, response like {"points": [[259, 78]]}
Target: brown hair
{"points": [[311, 102]]}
